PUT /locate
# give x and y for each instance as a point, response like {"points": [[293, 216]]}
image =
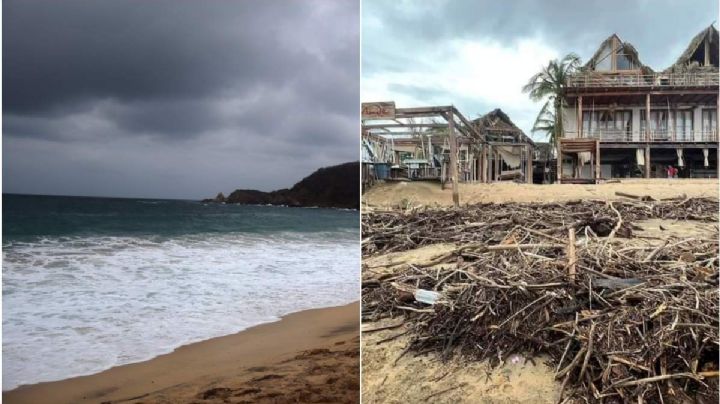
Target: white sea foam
{"points": [[75, 306]]}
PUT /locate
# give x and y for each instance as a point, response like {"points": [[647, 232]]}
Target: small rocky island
{"points": [[329, 187]]}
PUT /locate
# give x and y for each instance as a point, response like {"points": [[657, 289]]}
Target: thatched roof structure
{"points": [[694, 55], [496, 125], [628, 48]]}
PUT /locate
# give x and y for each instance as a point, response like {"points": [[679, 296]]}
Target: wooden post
{"points": [[497, 165], [597, 160], [707, 52], [453, 158], [529, 168], [647, 117], [558, 174], [442, 174], [571, 254], [580, 117], [647, 135], [483, 163], [488, 164]]}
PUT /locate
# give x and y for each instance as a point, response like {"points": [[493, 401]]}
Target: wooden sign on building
{"points": [[378, 110]]}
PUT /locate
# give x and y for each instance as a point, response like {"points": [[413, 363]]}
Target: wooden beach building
{"points": [[626, 120], [440, 143]]}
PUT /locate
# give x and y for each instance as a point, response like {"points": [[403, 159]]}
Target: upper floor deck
{"points": [[597, 80]]}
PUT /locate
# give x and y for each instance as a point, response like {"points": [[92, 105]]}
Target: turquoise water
{"points": [[91, 283], [29, 216]]}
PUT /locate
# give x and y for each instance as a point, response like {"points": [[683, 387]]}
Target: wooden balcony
{"points": [[656, 80], [655, 136]]}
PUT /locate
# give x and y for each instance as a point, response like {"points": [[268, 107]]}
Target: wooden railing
{"points": [[595, 79], [610, 135]]}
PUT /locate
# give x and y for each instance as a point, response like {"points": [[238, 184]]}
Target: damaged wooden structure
{"points": [[511, 152], [440, 143], [409, 125], [645, 120], [581, 151]]}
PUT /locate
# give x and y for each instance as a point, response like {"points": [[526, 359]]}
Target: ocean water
{"points": [[91, 283]]}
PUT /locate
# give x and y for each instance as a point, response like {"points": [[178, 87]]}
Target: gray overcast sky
{"points": [[176, 98], [478, 54]]}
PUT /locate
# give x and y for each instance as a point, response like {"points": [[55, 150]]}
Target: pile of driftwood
{"points": [[388, 231], [621, 320]]}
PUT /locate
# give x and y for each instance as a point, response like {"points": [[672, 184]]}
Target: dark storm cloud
{"points": [[176, 98], [659, 29]]}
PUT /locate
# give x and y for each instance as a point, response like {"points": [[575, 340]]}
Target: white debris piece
{"points": [[426, 296]]}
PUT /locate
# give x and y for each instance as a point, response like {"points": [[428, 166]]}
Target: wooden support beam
{"points": [[634, 92], [597, 161], [579, 128], [647, 161], [486, 154], [481, 168], [497, 165], [558, 173], [529, 165], [707, 52], [453, 159], [647, 118], [404, 125]]}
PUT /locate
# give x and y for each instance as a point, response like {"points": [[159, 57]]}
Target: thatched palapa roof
{"points": [[628, 48], [689, 61], [497, 123]]}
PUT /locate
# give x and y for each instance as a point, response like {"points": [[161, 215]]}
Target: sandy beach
{"points": [[309, 356], [430, 194]]}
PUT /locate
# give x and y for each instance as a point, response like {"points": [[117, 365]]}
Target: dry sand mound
{"points": [[429, 193]]}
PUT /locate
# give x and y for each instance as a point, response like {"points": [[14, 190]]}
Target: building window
{"points": [[709, 121], [611, 125], [604, 62], [683, 124], [623, 61], [614, 57], [658, 124]]}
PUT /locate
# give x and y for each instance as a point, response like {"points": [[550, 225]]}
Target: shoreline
{"points": [[233, 359]]}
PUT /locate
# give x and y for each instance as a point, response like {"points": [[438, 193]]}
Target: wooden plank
{"points": [[404, 125], [558, 173], [529, 165], [571, 256], [453, 160], [469, 125], [580, 117], [647, 117], [597, 161]]}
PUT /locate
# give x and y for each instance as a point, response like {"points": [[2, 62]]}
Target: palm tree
{"points": [[549, 85], [545, 122]]}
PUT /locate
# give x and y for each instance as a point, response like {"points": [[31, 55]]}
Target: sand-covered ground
{"points": [[391, 376], [429, 193], [310, 357]]}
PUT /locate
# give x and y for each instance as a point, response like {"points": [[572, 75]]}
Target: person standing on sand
{"points": [[670, 171]]}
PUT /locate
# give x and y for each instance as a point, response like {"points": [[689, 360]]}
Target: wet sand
{"points": [[309, 356]]}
